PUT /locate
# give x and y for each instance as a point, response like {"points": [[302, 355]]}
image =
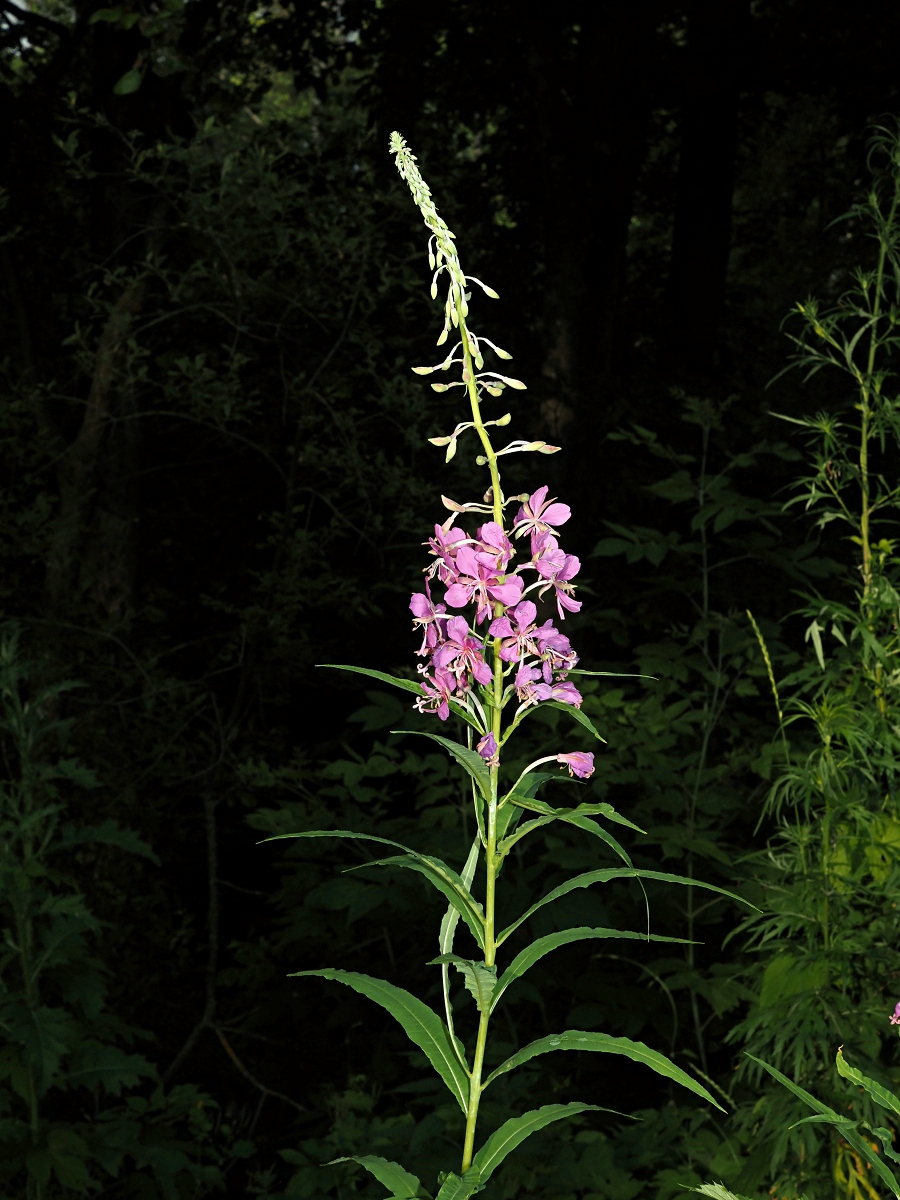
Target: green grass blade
{"points": [[420, 1024], [543, 945], [604, 1043]]}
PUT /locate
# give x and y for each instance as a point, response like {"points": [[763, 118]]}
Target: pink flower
{"points": [[555, 650], [582, 765], [479, 579], [487, 748], [526, 684], [538, 515], [565, 693], [443, 546], [437, 691], [428, 615], [493, 541], [462, 652], [558, 568], [518, 640], [895, 1019]]}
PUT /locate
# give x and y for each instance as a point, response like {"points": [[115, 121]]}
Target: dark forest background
{"points": [[215, 474]]}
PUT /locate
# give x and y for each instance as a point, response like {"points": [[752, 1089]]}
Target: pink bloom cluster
{"points": [[476, 570]]}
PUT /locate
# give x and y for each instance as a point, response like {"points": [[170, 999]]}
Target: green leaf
{"points": [[108, 833], [575, 713], [400, 1183], [717, 1191], [604, 876], [130, 82], [456, 1188], [407, 685], [420, 1024], [579, 817], [543, 945], [470, 761], [513, 1132], [480, 980], [444, 878], [859, 1144], [445, 944], [879, 1094], [604, 1043]]}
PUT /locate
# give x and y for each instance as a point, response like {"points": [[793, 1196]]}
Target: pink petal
{"points": [[556, 514], [457, 595]]}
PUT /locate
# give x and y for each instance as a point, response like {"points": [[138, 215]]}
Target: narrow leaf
{"points": [[444, 878], [407, 685], [543, 945], [859, 1144], [604, 876], [471, 762], [604, 1043], [420, 1024], [877, 1091], [456, 1188], [513, 1132], [576, 714], [479, 980], [400, 1183], [437, 873]]}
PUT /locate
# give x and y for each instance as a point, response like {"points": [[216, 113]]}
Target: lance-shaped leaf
{"points": [[551, 941], [407, 685], [480, 980], [444, 878], [445, 944], [455, 1187], [437, 874], [513, 1132], [420, 1024], [471, 762], [588, 810], [604, 1043], [604, 875], [571, 816], [859, 1143], [880, 1094], [575, 713], [400, 1183]]}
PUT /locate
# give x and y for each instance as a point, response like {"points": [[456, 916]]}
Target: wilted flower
{"points": [[582, 765], [488, 748]]}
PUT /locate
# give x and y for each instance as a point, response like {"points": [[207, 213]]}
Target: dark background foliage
{"points": [[215, 474]]}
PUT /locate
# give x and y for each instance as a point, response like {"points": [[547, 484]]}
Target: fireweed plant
{"points": [[488, 663]]}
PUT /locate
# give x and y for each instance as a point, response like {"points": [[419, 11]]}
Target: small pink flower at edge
{"points": [[895, 1019], [582, 765], [487, 748]]}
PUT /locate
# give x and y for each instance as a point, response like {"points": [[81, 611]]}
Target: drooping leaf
{"points": [[444, 878], [588, 810], [543, 945], [604, 1043], [880, 1094], [468, 908], [604, 875], [575, 713], [571, 816], [407, 685], [480, 981], [420, 1024], [471, 762], [513, 1132], [399, 1182], [852, 1136], [445, 943]]}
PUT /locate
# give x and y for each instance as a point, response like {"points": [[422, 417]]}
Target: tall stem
{"points": [[490, 949]]}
